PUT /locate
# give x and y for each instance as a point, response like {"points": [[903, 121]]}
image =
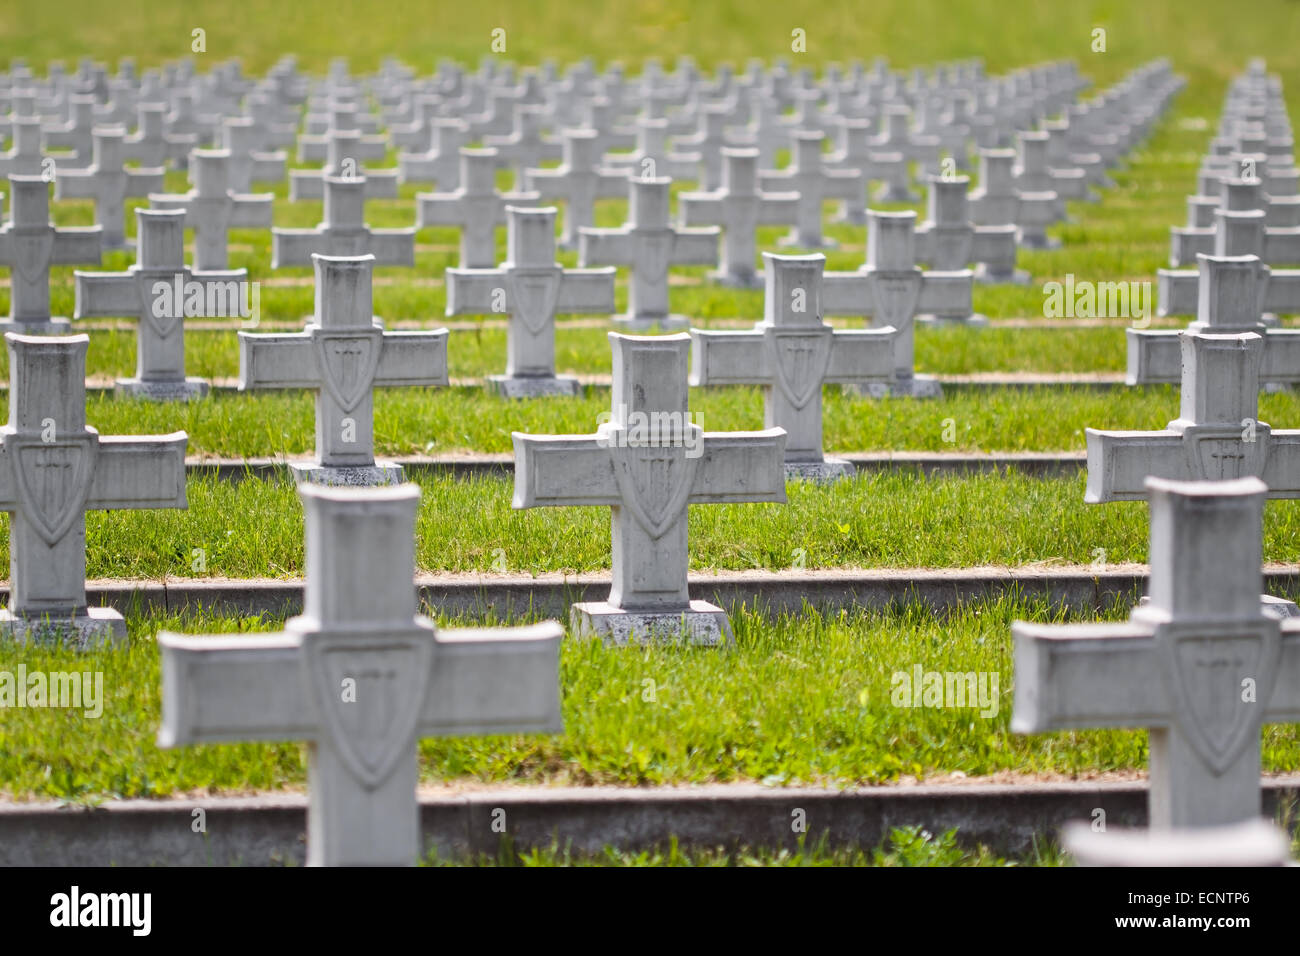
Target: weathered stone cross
{"points": [[212, 208], [815, 182], [579, 181], [647, 244], [360, 676], [998, 201], [1200, 665], [29, 245], [342, 159], [342, 355], [160, 292], [647, 463], [792, 353], [948, 240], [53, 468], [475, 206], [532, 288], [344, 232], [108, 182]]}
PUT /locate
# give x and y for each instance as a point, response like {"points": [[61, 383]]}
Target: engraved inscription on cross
{"points": [[793, 353], [1201, 664], [475, 206], [53, 468], [648, 245], [344, 232], [108, 182], [532, 288], [360, 676], [1216, 434], [343, 354], [647, 462], [212, 209], [29, 245]]}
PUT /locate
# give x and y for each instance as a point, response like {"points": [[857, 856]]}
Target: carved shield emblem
{"points": [[369, 693], [800, 359], [1207, 675], [32, 252], [533, 296], [172, 304], [348, 361], [655, 250], [1218, 454], [655, 483], [895, 298], [53, 480]]}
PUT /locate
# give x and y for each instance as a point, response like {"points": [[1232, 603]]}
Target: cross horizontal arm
{"points": [[861, 355], [139, 471], [586, 290], [696, 246], [76, 244], [173, 201], [473, 291], [107, 293], [413, 358], [945, 293], [778, 209], [78, 184], [614, 247], [701, 209], [285, 360], [251, 210], [439, 209], [741, 466], [847, 293], [1120, 461], [729, 358], [563, 470]]}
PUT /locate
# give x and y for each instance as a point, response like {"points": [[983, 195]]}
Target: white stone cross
{"points": [[314, 147], [739, 207], [815, 182], [792, 353], [1280, 243], [29, 245], [24, 157], [709, 141], [361, 677], [146, 145], [652, 158], [342, 159], [948, 241], [108, 182], [343, 354], [892, 290], [249, 162], [53, 468], [997, 201], [160, 292], [441, 162], [532, 288], [647, 462], [212, 208], [854, 151], [1216, 434], [898, 137], [475, 206], [76, 133], [1200, 665], [648, 245], [525, 146], [344, 232], [579, 181]]}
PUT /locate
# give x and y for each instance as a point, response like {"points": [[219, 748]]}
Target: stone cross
{"points": [[815, 182], [1201, 665], [898, 137], [948, 240], [361, 677], [342, 159], [1216, 434], [314, 148], [652, 158], [647, 463], [249, 163], [441, 162], [342, 355], [146, 145], [792, 353], [739, 207], [579, 181], [525, 146], [29, 245], [24, 157], [160, 292], [108, 182], [212, 209], [475, 206], [75, 134], [709, 141], [1279, 244], [648, 245], [892, 290], [53, 468], [854, 151], [997, 201], [532, 288], [344, 232]]}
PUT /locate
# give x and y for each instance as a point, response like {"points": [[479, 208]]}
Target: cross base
{"points": [[1252, 843], [701, 623], [353, 476], [914, 386], [974, 318], [820, 472], [792, 240], [645, 323], [185, 391], [987, 276], [737, 280], [51, 326], [97, 627], [1037, 239], [533, 386]]}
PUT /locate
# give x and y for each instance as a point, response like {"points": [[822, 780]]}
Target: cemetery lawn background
{"points": [[794, 701]]}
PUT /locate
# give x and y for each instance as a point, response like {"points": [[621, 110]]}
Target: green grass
{"points": [[802, 699]]}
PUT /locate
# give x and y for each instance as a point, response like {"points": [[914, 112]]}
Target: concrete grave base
{"points": [[703, 623], [185, 391], [536, 386], [1270, 606], [918, 386], [380, 473], [820, 472], [97, 627]]}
